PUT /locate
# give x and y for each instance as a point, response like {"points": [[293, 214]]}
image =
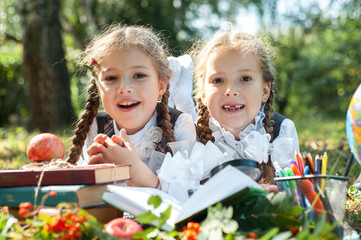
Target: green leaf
{"points": [[155, 201], [320, 222], [229, 236], [143, 234], [270, 234], [327, 228], [283, 235], [164, 216], [294, 211], [146, 217]]}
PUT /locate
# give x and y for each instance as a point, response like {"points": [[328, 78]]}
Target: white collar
{"points": [[215, 126], [145, 139], [137, 137], [253, 144]]}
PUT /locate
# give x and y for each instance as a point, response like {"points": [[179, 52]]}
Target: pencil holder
{"points": [[332, 191]]}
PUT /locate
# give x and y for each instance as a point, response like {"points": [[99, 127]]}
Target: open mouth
{"points": [[127, 105], [232, 108]]}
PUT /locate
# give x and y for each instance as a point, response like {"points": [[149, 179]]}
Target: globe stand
{"points": [[357, 182], [348, 165]]}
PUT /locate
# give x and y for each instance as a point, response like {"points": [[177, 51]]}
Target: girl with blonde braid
{"points": [[235, 79], [130, 75]]}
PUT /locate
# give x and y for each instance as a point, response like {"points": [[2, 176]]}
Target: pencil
{"points": [[323, 169]]}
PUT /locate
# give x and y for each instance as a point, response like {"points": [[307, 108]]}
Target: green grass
{"points": [[13, 143]]}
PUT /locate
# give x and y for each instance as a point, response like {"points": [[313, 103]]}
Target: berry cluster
{"points": [[25, 209], [66, 226], [190, 231]]}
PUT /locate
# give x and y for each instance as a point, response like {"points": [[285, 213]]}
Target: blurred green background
{"points": [[42, 86], [318, 60]]}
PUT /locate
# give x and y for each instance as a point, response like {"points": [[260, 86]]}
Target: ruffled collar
{"points": [[254, 142], [256, 126]]}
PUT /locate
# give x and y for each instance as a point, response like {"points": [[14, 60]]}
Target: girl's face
{"points": [[234, 89], [129, 88]]}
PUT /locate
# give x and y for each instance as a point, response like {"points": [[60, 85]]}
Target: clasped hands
{"points": [[117, 149]]}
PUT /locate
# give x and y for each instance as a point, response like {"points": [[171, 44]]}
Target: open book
{"points": [[229, 185]]}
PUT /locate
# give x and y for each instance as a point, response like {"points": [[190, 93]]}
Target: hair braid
{"points": [[202, 125], [86, 119], [268, 120], [268, 169], [163, 118]]}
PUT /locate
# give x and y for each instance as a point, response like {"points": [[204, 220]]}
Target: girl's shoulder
{"points": [[174, 114], [104, 123], [278, 119]]}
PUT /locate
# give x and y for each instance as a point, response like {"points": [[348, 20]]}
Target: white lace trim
{"points": [[254, 142]]}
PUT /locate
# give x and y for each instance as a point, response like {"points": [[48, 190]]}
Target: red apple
{"points": [[45, 147], [123, 228]]}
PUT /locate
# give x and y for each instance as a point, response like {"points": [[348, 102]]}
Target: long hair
{"points": [[115, 38], [246, 44]]}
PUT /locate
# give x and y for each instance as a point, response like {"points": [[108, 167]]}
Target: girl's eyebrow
{"points": [[133, 67], [139, 66], [103, 70], [239, 71], [247, 70]]}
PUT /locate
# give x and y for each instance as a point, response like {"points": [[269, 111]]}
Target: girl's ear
{"points": [[162, 87], [203, 97], [266, 91]]}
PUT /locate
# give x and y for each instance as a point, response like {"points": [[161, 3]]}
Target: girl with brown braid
{"points": [[235, 79], [130, 75]]}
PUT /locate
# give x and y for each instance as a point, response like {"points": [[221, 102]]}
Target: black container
{"points": [[249, 167]]}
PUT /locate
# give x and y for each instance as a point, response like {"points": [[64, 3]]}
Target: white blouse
{"points": [[184, 129], [254, 141]]}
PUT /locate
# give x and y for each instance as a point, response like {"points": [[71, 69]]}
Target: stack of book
{"points": [[81, 185]]}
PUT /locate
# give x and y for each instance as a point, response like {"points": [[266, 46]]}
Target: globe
{"points": [[353, 125]]}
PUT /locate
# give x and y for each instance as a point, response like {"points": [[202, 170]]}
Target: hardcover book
{"points": [[228, 186], [85, 196], [79, 175]]}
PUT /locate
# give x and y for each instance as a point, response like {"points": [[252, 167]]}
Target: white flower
{"points": [[155, 134], [145, 149], [147, 145]]}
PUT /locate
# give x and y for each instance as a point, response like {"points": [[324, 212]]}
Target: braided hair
{"points": [[247, 44], [114, 38]]}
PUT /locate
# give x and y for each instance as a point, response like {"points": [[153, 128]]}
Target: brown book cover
{"points": [[87, 175], [84, 196]]}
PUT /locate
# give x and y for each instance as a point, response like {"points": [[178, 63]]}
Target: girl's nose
{"points": [[231, 91], [125, 86]]}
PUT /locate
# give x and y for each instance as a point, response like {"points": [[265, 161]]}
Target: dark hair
{"points": [[247, 44], [114, 38]]}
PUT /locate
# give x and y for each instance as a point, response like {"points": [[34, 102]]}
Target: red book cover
{"points": [[87, 175]]}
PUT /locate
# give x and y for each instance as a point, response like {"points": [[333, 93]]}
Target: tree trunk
{"points": [[44, 65]]}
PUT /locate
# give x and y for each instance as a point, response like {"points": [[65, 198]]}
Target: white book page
{"points": [[115, 201], [225, 183], [137, 198]]}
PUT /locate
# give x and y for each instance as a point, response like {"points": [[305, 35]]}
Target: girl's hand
{"points": [[95, 151], [270, 187], [117, 150], [125, 153]]}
